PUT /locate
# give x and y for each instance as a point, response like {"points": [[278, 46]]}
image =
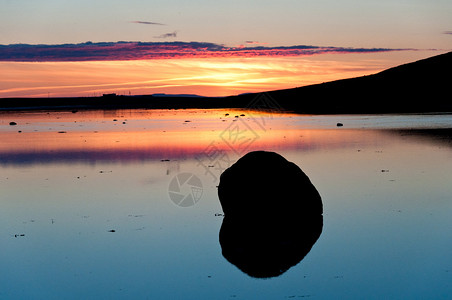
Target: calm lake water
{"points": [[123, 204]]}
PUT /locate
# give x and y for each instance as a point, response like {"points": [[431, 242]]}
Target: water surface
{"points": [[86, 210]]}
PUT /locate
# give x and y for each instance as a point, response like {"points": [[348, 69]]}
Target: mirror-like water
{"points": [[93, 205]]}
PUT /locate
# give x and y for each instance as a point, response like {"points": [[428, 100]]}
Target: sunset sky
{"points": [[85, 48]]}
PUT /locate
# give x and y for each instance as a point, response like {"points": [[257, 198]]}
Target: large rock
{"points": [[265, 183], [273, 214]]}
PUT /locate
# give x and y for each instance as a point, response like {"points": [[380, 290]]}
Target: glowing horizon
{"points": [[208, 48], [213, 76]]}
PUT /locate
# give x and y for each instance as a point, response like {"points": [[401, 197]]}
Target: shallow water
{"points": [[89, 210]]}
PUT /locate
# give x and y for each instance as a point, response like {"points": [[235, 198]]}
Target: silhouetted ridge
{"points": [[420, 86]]}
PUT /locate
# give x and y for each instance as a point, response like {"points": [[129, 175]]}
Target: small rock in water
{"points": [[339, 124], [12, 123], [112, 230]]}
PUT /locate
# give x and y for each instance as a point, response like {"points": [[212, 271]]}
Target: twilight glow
{"points": [[204, 76], [206, 47]]}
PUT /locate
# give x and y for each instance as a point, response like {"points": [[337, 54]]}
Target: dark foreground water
{"points": [[123, 204]]}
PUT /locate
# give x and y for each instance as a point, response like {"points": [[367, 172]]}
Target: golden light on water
{"points": [[160, 134]]}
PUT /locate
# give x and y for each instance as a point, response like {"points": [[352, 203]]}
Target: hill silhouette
{"points": [[421, 86]]}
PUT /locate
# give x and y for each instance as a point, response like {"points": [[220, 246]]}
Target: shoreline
{"points": [[266, 101]]}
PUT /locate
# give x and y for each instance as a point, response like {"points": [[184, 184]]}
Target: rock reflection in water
{"points": [[273, 214]]}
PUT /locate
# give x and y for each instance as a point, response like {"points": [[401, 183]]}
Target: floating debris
{"points": [[112, 230], [61, 131]]}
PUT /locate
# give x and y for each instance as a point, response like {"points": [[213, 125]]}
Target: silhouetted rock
{"points": [[272, 214], [12, 123], [265, 183]]}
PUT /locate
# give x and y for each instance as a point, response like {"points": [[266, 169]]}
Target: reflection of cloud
{"points": [[146, 23], [167, 35], [157, 50]]}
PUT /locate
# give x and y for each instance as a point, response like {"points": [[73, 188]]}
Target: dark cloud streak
{"points": [[159, 50], [147, 23]]}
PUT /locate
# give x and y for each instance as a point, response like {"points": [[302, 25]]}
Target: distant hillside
{"points": [[421, 86]]}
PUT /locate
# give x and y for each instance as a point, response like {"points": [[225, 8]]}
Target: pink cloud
{"points": [[160, 50]]}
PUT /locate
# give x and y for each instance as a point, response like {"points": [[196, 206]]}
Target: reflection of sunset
{"points": [[159, 134], [208, 76]]}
